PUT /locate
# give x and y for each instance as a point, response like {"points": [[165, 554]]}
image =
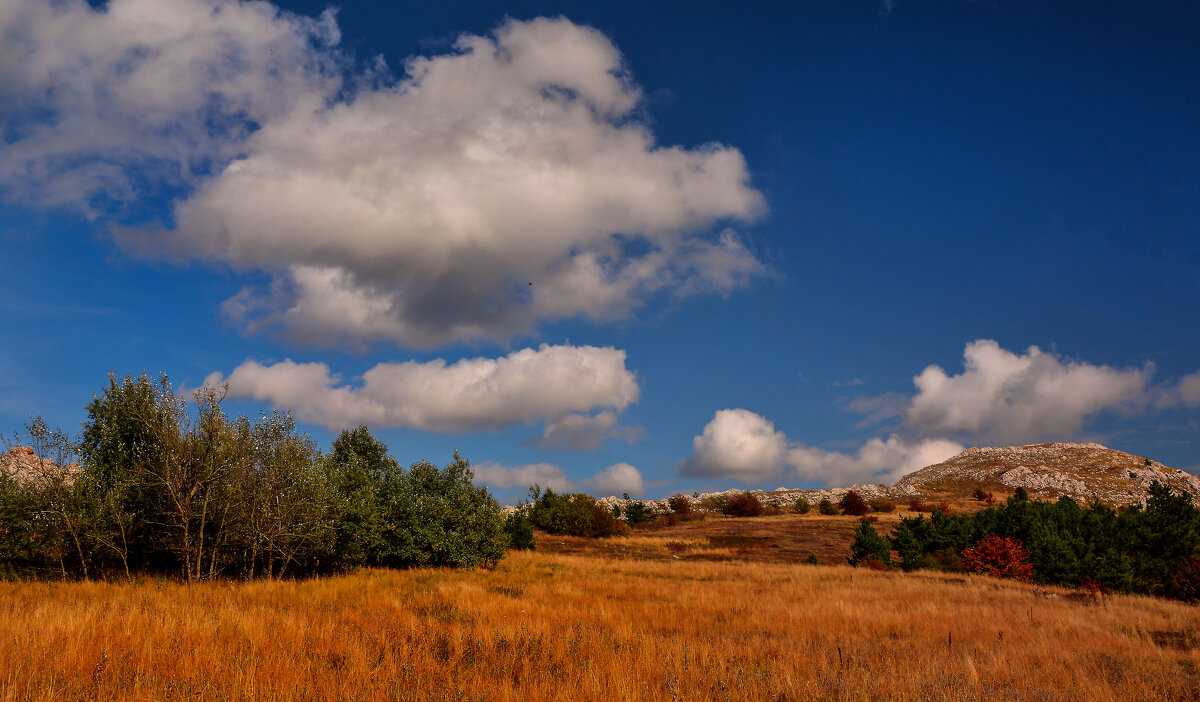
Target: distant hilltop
{"points": [[1084, 471]]}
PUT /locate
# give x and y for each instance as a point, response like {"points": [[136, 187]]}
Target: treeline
{"points": [[1153, 549], [170, 486]]}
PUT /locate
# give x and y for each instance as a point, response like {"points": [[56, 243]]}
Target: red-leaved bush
{"points": [[1000, 557]]}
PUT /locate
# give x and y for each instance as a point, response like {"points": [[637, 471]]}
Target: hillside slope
{"points": [[1086, 472]]}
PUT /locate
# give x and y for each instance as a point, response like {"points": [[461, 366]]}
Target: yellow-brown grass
{"points": [[547, 626]]}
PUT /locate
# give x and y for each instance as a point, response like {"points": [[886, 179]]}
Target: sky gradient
{"points": [[615, 248]]}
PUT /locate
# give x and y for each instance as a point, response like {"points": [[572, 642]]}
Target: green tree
{"points": [[436, 517], [869, 545]]}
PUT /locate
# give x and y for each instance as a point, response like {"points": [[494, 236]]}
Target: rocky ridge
{"points": [[23, 465], [1084, 471]]}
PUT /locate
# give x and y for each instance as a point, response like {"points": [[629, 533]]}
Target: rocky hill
{"points": [[1086, 472]]}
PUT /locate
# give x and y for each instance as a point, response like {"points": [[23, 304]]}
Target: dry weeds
{"points": [[569, 627]]}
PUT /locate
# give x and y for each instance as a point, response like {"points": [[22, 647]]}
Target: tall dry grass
{"points": [[561, 627]]}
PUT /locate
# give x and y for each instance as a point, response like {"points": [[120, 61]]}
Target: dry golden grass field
{"points": [[623, 619]]}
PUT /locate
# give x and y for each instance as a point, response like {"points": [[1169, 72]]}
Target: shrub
{"points": [[743, 504], [853, 503], [811, 560], [919, 506], [869, 546], [571, 515], [944, 508], [520, 532], [801, 506], [880, 504], [637, 512], [998, 556], [679, 504], [827, 507], [438, 517], [715, 503]]}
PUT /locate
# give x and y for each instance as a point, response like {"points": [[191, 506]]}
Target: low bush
{"points": [[801, 506], [743, 504], [572, 515], [853, 503], [679, 504], [715, 503], [520, 532], [880, 504], [869, 546], [827, 507], [998, 556], [919, 506], [636, 512]]}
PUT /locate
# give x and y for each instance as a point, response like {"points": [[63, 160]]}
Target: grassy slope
{"points": [[572, 623]]}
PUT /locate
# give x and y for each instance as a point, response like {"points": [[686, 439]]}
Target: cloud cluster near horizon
{"points": [[617, 479], [1001, 397], [557, 385], [506, 183]]}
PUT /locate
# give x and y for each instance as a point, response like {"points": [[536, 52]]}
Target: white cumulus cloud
{"points": [[737, 444], [529, 385], [618, 479], [876, 461], [1007, 397], [745, 446], [508, 182]]}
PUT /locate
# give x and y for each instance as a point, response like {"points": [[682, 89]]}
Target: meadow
{"points": [[711, 610]]}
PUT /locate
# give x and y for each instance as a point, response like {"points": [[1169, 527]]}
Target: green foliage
{"points": [[172, 486], [438, 517], [520, 531], [811, 560], [801, 506], [869, 545], [1146, 550], [574, 515], [827, 508], [881, 504], [636, 512]]}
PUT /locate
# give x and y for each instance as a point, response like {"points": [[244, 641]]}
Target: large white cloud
{"points": [[99, 102], [737, 444], [508, 182], [1007, 397], [529, 385]]}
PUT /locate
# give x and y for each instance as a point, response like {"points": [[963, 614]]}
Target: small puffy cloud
{"points": [[878, 460], [529, 385], [1008, 397], [740, 445], [617, 480], [502, 477], [584, 432]]}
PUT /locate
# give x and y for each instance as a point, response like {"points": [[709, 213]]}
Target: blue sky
{"points": [[611, 247]]}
